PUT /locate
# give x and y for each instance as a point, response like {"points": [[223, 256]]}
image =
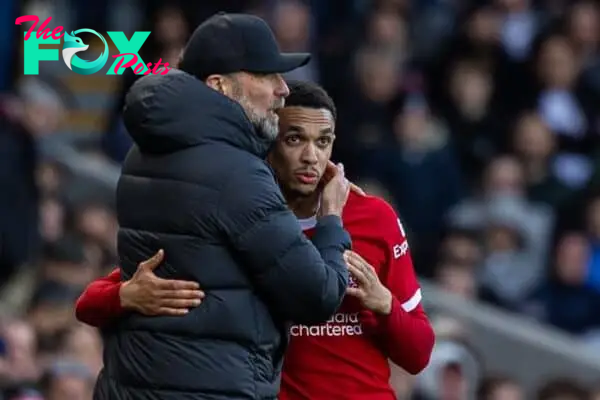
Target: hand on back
{"points": [[150, 295]]}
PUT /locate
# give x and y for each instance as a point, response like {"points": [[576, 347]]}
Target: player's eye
{"points": [[324, 141], [292, 139]]}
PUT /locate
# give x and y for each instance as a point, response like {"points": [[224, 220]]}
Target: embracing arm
{"points": [[106, 299], [100, 303]]}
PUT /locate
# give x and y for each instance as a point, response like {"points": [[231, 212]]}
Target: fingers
{"points": [[171, 284], [355, 292], [172, 311], [177, 302], [152, 263], [356, 189], [181, 294], [358, 274], [359, 262], [355, 258], [362, 271], [343, 180], [180, 303]]}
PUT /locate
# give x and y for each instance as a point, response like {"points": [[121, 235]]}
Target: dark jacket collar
{"points": [[167, 113]]}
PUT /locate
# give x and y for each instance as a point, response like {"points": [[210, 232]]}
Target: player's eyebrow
{"points": [[295, 128], [327, 131]]}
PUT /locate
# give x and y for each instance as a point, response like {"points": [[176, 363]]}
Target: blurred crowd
{"points": [[478, 120]]}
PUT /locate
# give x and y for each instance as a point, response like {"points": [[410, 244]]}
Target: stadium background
{"points": [[478, 120]]}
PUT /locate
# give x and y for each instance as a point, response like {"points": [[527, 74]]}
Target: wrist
{"points": [[386, 305], [324, 212], [123, 295]]}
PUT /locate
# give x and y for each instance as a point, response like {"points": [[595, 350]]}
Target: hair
{"points": [[562, 387], [490, 384], [310, 95]]}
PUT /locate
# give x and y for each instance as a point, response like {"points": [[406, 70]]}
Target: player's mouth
{"points": [[307, 177]]}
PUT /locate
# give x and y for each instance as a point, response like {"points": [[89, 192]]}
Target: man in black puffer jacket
{"points": [[196, 185]]}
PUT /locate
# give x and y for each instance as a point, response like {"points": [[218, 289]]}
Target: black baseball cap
{"points": [[227, 43]]}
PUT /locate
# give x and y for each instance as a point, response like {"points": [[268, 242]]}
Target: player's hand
{"points": [[372, 294], [150, 295], [335, 194], [330, 172]]}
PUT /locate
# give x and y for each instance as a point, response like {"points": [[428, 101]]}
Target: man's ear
{"points": [[215, 82]]}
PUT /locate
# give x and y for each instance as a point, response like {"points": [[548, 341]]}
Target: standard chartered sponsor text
{"points": [[340, 324]]}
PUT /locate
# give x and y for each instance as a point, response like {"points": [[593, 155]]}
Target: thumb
{"points": [[153, 262], [357, 189]]}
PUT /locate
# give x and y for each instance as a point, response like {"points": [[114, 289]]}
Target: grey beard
{"points": [[266, 127]]}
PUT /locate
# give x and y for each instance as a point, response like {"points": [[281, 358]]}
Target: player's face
{"points": [[302, 149]]}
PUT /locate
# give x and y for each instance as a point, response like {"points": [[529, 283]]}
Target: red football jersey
{"points": [[347, 357]]}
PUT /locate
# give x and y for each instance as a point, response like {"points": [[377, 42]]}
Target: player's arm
{"points": [[394, 298], [107, 298], [302, 282], [99, 304]]}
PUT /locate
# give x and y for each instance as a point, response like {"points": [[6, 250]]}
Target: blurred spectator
{"points": [[535, 146], [583, 30], [593, 230], [67, 380], [293, 29], [457, 279], [38, 111], [18, 363], [366, 110], [500, 388], [386, 30], [516, 233], [520, 26], [51, 314], [565, 105], [169, 34], [50, 178], [97, 224], [422, 172], [478, 38], [596, 394], [462, 247], [84, 344], [562, 389], [453, 373], [565, 301], [65, 262], [474, 122]]}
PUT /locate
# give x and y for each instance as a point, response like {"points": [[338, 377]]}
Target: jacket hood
{"points": [[167, 113]]}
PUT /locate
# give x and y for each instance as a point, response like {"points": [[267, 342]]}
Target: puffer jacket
{"points": [[196, 185]]}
